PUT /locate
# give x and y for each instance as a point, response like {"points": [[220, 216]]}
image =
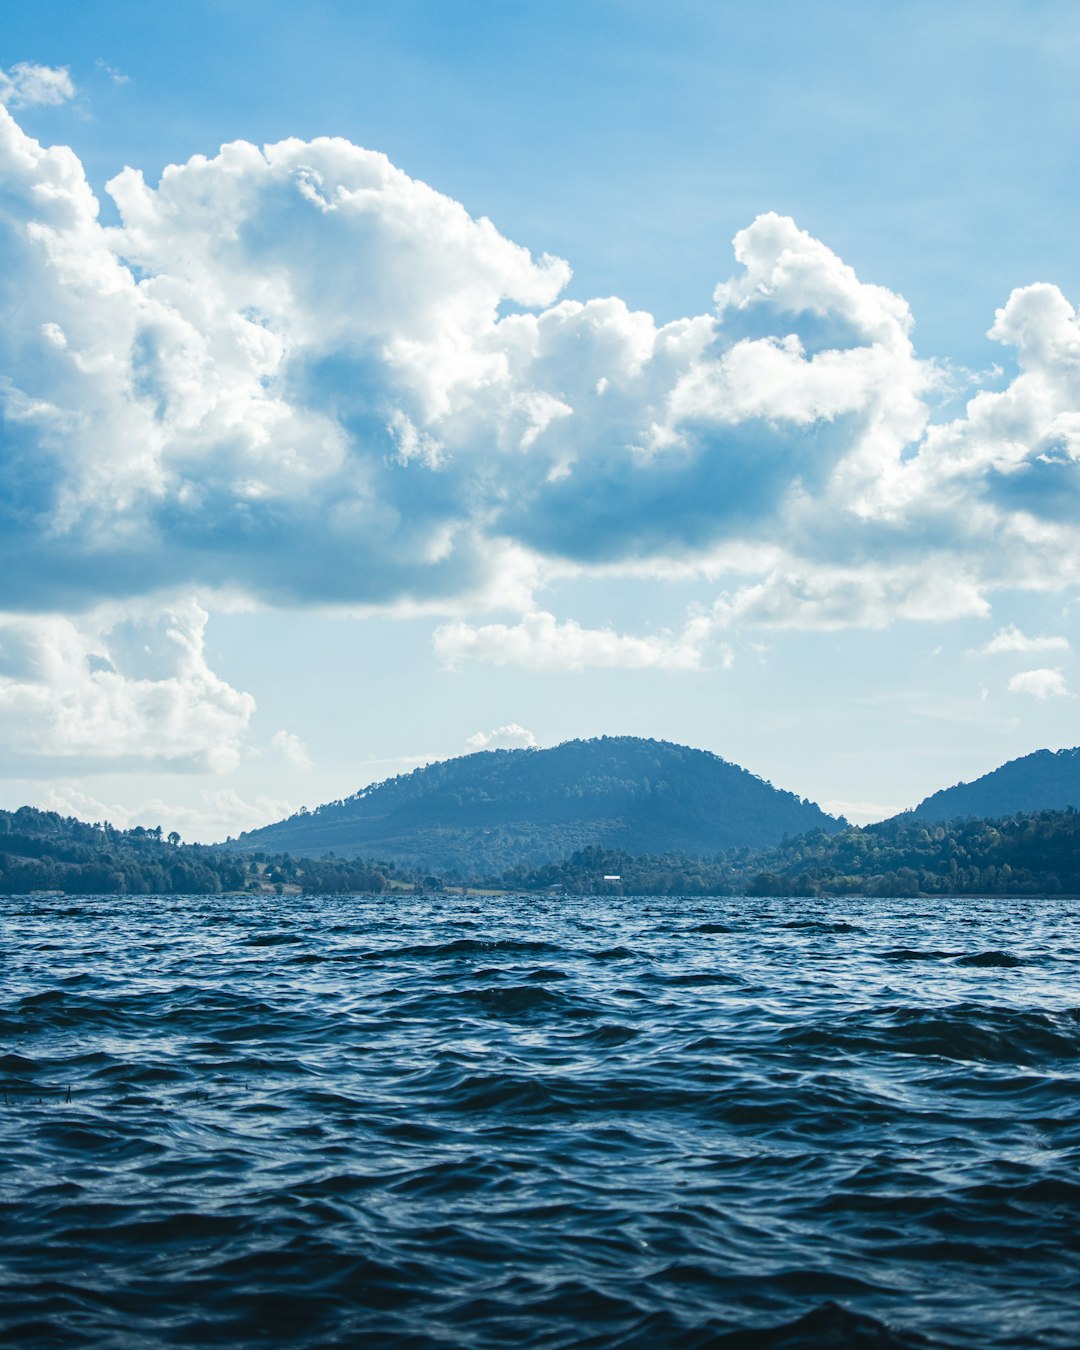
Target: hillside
{"points": [[41, 851], [1019, 855], [497, 809], [1044, 781]]}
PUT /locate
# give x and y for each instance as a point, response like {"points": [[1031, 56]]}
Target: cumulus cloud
{"points": [[540, 642], [1011, 639], [510, 737], [246, 383], [296, 374], [219, 812], [289, 371], [1041, 684], [26, 85], [116, 686], [292, 749]]}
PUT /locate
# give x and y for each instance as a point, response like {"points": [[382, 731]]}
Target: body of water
{"points": [[434, 1122]]}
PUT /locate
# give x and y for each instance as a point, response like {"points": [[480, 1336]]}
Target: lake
{"points": [[427, 1121]]}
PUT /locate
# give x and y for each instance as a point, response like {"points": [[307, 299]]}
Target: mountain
{"points": [[1048, 780], [483, 813]]}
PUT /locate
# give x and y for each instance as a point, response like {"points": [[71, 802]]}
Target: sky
{"points": [[381, 382]]}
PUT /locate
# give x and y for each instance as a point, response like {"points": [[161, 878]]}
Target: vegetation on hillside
{"points": [[1035, 854], [1048, 780], [44, 851], [519, 808]]}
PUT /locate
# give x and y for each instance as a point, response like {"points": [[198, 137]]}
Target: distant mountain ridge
{"points": [[1047, 780], [504, 808]]}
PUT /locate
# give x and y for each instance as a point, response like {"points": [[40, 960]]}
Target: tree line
{"points": [[44, 851], [1021, 854]]}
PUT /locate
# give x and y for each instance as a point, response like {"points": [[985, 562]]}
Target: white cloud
{"points": [[808, 596], [117, 685], [861, 812], [220, 812], [223, 812], [290, 375], [540, 642], [69, 799], [292, 749], [315, 340], [1011, 639], [1040, 684], [26, 85], [510, 737], [117, 76]]}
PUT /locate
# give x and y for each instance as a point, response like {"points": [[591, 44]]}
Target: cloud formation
{"points": [[511, 737], [1011, 639], [292, 749], [116, 686], [1041, 684], [117, 76], [297, 375], [540, 642], [221, 811], [26, 85]]}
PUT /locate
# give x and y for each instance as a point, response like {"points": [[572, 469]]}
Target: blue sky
{"points": [[311, 473]]}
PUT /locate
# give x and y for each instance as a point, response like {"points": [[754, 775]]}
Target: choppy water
{"points": [[748, 1124]]}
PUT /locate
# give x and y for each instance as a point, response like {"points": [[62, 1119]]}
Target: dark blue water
{"points": [[418, 1122]]}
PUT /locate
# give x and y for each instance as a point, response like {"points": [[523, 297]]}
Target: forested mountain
{"points": [[1047, 780], [1019, 855], [483, 813]]}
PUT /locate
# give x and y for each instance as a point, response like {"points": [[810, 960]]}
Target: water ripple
{"points": [[419, 1122]]}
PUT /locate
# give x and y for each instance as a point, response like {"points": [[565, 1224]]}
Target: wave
{"points": [[749, 1124]]}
